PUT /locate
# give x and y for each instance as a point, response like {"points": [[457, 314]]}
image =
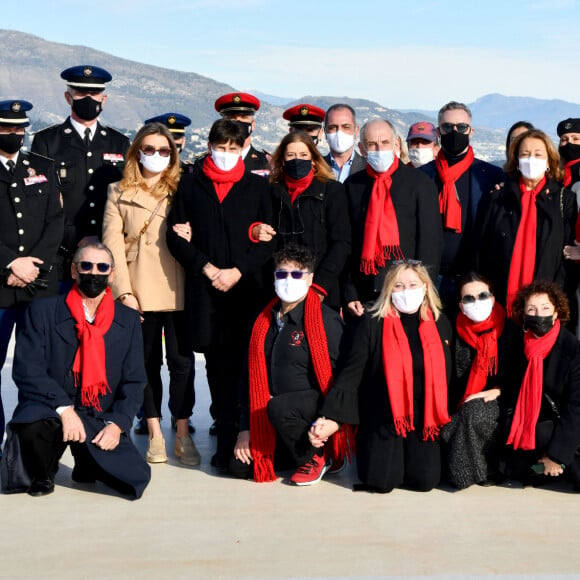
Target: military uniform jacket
{"points": [[31, 221], [257, 162], [84, 173]]}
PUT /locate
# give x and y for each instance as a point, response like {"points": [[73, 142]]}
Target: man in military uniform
{"points": [[307, 118], [31, 225], [176, 123], [88, 156]]}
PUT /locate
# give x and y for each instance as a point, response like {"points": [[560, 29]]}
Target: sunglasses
{"points": [[461, 127], [470, 299], [85, 266], [295, 274], [409, 262], [150, 150]]}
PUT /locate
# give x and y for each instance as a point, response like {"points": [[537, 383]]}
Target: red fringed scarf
{"points": [[398, 364], [568, 173], [89, 363], [298, 186], [482, 336], [222, 180], [523, 262], [262, 434], [523, 431], [449, 204], [381, 237]]}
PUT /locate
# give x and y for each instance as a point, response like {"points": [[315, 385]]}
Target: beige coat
{"points": [[143, 266]]}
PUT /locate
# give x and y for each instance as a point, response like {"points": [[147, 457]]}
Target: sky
{"points": [[409, 54]]}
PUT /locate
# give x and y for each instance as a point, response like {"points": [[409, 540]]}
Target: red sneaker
{"points": [[312, 471]]}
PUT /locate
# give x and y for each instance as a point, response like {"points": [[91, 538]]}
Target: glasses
{"points": [[470, 299], [85, 266], [295, 274], [150, 150], [409, 262], [461, 127]]}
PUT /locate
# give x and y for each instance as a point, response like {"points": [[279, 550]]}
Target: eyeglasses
{"points": [[295, 274], [470, 299], [409, 262], [461, 127], [150, 150], [85, 266]]}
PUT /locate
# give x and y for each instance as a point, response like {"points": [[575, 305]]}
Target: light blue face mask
{"points": [[380, 161]]}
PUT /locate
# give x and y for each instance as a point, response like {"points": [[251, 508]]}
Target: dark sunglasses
{"points": [[296, 274], [470, 299], [461, 127], [85, 266], [409, 262], [150, 150]]}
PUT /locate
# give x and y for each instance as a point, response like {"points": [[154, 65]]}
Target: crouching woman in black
{"points": [[544, 434], [393, 383]]}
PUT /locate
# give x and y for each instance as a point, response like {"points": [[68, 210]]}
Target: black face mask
{"points": [[91, 285], [87, 108], [539, 325], [454, 143], [246, 126], [569, 152], [297, 168], [11, 142]]}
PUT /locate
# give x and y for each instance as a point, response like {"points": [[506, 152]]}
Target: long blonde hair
{"points": [[384, 306], [132, 176]]}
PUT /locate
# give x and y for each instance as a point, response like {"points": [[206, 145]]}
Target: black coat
{"points": [[318, 219], [497, 227], [220, 235], [416, 204], [31, 222], [84, 173]]}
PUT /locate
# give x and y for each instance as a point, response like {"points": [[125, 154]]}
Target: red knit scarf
{"points": [[523, 262], [482, 336], [568, 173], [222, 180], [262, 434], [298, 186], [449, 204], [398, 365], [523, 431], [381, 236], [89, 363]]}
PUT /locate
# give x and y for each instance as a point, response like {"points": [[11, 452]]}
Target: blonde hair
{"points": [[132, 176], [384, 306]]}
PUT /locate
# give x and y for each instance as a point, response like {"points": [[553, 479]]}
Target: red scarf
{"points": [[568, 173], [482, 336], [222, 180], [89, 363], [262, 434], [398, 365], [523, 431], [381, 237], [449, 204], [523, 262], [298, 186]]}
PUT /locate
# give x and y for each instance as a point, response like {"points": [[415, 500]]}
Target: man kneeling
{"points": [[294, 345], [79, 369]]}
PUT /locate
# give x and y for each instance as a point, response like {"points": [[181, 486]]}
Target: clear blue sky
{"points": [[404, 54]]}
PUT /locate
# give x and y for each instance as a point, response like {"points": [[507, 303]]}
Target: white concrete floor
{"points": [[191, 523]]}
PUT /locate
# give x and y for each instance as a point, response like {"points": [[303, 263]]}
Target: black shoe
{"points": [[41, 487], [213, 429], [221, 463], [141, 427], [81, 475], [190, 426]]}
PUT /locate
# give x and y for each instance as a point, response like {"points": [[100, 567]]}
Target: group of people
{"points": [[406, 304]]}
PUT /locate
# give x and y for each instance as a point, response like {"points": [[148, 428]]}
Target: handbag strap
{"points": [[150, 219]]}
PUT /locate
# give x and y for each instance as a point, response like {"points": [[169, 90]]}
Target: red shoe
{"points": [[312, 471]]}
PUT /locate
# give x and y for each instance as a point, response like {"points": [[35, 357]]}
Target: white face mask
{"points": [[532, 167], [479, 310], [419, 156], [380, 161], [408, 301], [225, 160], [154, 163], [339, 142], [290, 290]]}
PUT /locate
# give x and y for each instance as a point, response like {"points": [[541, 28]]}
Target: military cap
{"points": [[13, 113], [86, 76], [175, 122], [237, 103], [568, 126], [422, 130], [304, 114]]}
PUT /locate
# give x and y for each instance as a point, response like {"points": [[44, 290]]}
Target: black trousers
{"points": [[180, 362]]}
